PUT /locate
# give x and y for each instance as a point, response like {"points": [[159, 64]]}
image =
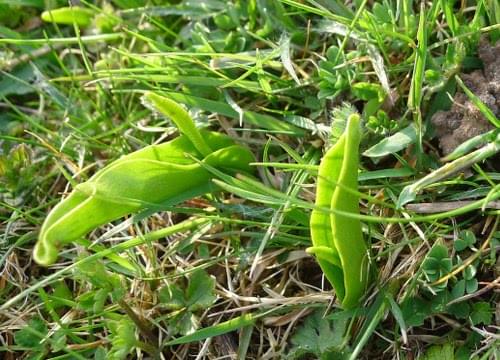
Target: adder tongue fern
{"points": [[152, 177], [337, 239]]}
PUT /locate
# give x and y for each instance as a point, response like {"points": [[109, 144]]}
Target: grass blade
{"points": [[215, 330], [487, 113]]}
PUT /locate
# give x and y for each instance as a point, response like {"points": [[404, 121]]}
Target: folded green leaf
{"points": [[337, 240], [147, 178]]}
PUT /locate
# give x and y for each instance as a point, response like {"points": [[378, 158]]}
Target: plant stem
{"points": [[143, 327]]}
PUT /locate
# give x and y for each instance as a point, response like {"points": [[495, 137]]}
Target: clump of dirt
{"points": [[464, 121]]}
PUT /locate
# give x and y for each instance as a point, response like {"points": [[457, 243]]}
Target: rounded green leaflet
{"points": [[338, 240], [155, 176]]}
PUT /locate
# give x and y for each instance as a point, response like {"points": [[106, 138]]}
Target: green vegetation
{"points": [[184, 179], [338, 240], [152, 177]]}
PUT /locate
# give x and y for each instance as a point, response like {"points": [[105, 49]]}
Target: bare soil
{"points": [[464, 120]]}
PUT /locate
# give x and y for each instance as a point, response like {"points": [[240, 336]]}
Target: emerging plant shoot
{"points": [[337, 239]]}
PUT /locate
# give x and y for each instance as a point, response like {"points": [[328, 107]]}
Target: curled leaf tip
{"points": [[153, 177], [45, 253]]}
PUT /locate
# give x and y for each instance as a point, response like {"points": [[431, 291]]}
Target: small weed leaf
{"points": [[224, 22], [471, 283], [30, 335], [432, 77], [199, 295], [332, 54], [464, 240], [335, 80], [381, 123], [319, 336], [100, 297], [415, 310], [58, 341], [61, 292], [86, 301], [185, 323], [440, 352], [123, 338], [460, 310], [381, 12], [105, 285], [481, 313], [437, 264], [373, 94], [339, 118], [458, 289], [368, 91], [439, 302], [95, 272], [172, 297]]}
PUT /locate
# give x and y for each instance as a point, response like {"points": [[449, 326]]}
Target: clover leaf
{"points": [[319, 336], [471, 283], [481, 313], [437, 264], [199, 295], [464, 240]]}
